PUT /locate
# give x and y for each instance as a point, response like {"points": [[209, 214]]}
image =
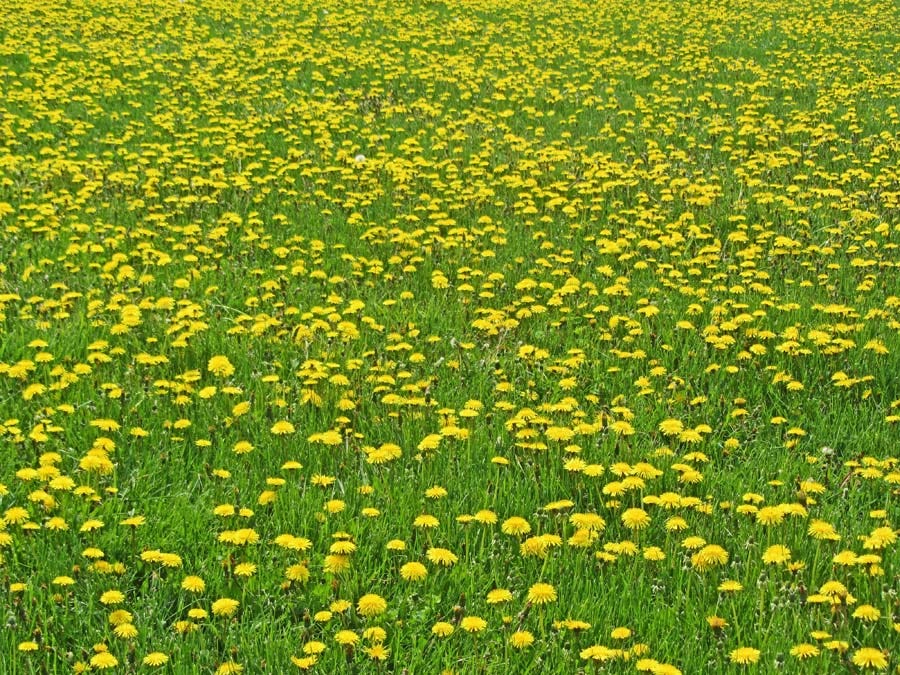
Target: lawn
{"points": [[472, 336]]}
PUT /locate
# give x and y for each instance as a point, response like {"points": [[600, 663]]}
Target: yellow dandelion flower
{"points": [[193, 584], [499, 595], [473, 624], [716, 622], [620, 633], [245, 569], [515, 526], [635, 519], [869, 657], [103, 661], [220, 366], [541, 593], [867, 613], [371, 605], [708, 557], [155, 659], [112, 597], [413, 571], [225, 607], [744, 655], [441, 556], [730, 586], [282, 428], [521, 639], [346, 637], [804, 651], [426, 521], [442, 629], [125, 631], [304, 662], [776, 554], [377, 652], [314, 647]]}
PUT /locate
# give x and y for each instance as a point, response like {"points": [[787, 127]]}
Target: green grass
{"points": [[399, 220]]}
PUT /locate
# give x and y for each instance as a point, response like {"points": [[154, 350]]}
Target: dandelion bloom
{"points": [[730, 586], [597, 653], [413, 571], [126, 631], [193, 584], [845, 558], [521, 639], [770, 515], [473, 624], [134, 521], [671, 427], [225, 607], [346, 637], [282, 428], [867, 613], [498, 595], [833, 589], [426, 521], [378, 652], [436, 492], [220, 365], [716, 622], [155, 659], [245, 569], [804, 651], [744, 655], [820, 529], [776, 554], [371, 605], [314, 647], [515, 526], [486, 517], [880, 538], [635, 519], [184, 627], [676, 523], [305, 662], [869, 657], [541, 593], [708, 557], [654, 554], [112, 597], [375, 634], [588, 521], [442, 629], [242, 447], [442, 556], [104, 660], [666, 669], [620, 633]]}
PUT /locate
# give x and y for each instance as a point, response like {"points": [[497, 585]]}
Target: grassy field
{"points": [[471, 336]]}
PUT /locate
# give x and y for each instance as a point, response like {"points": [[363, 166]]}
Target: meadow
{"points": [[461, 336]]}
